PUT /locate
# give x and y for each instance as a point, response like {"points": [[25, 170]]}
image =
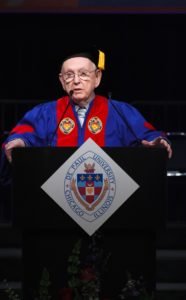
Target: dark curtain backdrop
{"points": [[145, 54]]}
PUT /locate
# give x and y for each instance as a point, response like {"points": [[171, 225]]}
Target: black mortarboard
{"points": [[95, 55]]}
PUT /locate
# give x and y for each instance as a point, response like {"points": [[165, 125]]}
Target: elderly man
{"points": [[71, 120]]}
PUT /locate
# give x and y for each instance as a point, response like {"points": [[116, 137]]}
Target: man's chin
{"points": [[78, 99]]}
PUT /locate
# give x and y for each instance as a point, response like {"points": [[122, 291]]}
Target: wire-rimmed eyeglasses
{"points": [[82, 74]]}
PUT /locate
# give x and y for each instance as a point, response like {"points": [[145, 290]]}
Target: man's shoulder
{"points": [[45, 105], [124, 106], [51, 104], [120, 103]]}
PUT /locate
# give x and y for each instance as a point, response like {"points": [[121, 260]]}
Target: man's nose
{"points": [[76, 78]]}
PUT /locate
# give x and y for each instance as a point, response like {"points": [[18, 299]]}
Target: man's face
{"points": [[79, 77]]}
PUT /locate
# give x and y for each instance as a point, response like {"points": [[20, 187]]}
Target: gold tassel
{"points": [[101, 60]]}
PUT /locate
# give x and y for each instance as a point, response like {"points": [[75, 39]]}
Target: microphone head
{"points": [[71, 93]]}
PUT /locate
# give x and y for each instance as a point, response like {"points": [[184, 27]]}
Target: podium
{"points": [[49, 233]]}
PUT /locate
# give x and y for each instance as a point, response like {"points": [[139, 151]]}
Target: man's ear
{"points": [[62, 80], [98, 77]]}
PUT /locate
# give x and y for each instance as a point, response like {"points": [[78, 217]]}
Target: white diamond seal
{"points": [[90, 186]]}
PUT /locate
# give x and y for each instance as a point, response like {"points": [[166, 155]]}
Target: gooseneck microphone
{"points": [[138, 140], [71, 93], [68, 104]]}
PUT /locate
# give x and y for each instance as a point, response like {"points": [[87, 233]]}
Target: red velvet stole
{"points": [[97, 113]]}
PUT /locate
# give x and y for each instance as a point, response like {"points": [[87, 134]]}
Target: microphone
{"points": [[71, 93], [138, 140], [68, 104]]}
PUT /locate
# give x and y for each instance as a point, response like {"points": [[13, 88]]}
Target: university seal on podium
{"points": [[90, 186]]}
